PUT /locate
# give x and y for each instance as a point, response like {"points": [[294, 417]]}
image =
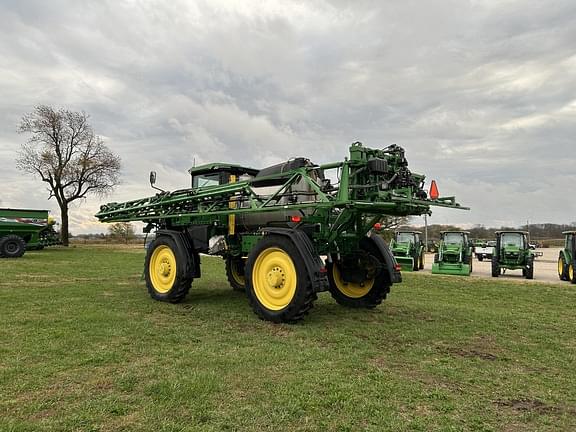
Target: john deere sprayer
{"points": [[272, 226], [454, 254], [408, 250]]}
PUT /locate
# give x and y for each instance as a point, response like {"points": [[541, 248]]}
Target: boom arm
{"points": [[372, 182]]}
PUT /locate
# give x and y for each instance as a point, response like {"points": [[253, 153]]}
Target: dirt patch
{"points": [[475, 354], [526, 405], [412, 373], [483, 347]]}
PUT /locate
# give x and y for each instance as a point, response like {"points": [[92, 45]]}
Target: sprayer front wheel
{"points": [[278, 286], [166, 271]]}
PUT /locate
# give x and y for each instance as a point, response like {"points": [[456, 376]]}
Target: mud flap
{"points": [[314, 265], [392, 267], [185, 243]]}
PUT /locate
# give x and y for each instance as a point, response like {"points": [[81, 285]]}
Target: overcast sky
{"points": [[480, 93]]}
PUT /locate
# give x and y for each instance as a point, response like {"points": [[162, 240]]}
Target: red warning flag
{"points": [[434, 191]]}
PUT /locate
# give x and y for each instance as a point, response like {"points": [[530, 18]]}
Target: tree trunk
{"points": [[64, 224]]}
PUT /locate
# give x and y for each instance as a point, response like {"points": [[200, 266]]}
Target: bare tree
{"points": [[123, 231], [64, 152], [392, 222]]}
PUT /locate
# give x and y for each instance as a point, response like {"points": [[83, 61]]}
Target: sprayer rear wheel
{"points": [[235, 273], [368, 293]]}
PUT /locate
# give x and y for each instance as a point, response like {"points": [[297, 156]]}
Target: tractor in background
{"points": [[24, 229], [567, 258], [408, 250], [454, 255], [512, 252]]}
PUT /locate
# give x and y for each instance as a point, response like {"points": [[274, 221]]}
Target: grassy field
{"points": [[83, 347]]}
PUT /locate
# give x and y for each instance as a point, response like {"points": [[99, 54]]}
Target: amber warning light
{"points": [[434, 191]]}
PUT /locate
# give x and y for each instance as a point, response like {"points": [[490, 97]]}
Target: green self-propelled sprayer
{"points": [[272, 226]]}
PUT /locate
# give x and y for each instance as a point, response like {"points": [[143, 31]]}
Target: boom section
{"points": [[371, 182]]}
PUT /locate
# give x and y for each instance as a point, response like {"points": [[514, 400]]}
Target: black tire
{"points": [[380, 286], [279, 259], [12, 246], [571, 273], [421, 266], [235, 273], [562, 268], [470, 259], [416, 263], [480, 258], [174, 283], [436, 257], [530, 269], [495, 267]]}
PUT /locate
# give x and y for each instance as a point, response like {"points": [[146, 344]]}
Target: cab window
{"points": [[453, 238], [205, 180], [405, 237], [513, 239]]}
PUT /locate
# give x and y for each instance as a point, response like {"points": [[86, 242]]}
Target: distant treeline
{"points": [[537, 231]]}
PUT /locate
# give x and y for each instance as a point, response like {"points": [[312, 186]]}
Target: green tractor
{"points": [[567, 258], [454, 255], [512, 252], [408, 250], [272, 226], [23, 229]]}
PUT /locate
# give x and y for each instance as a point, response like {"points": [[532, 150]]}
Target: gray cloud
{"points": [[480, 93]]}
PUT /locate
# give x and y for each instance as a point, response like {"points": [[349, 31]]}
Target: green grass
{"points": [[83, 347]]}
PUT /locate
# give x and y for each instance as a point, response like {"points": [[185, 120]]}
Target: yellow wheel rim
{"points": [[238, 278], [571, 272], [560, 266], [274, 278], [162, 269], [351, 289]]}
